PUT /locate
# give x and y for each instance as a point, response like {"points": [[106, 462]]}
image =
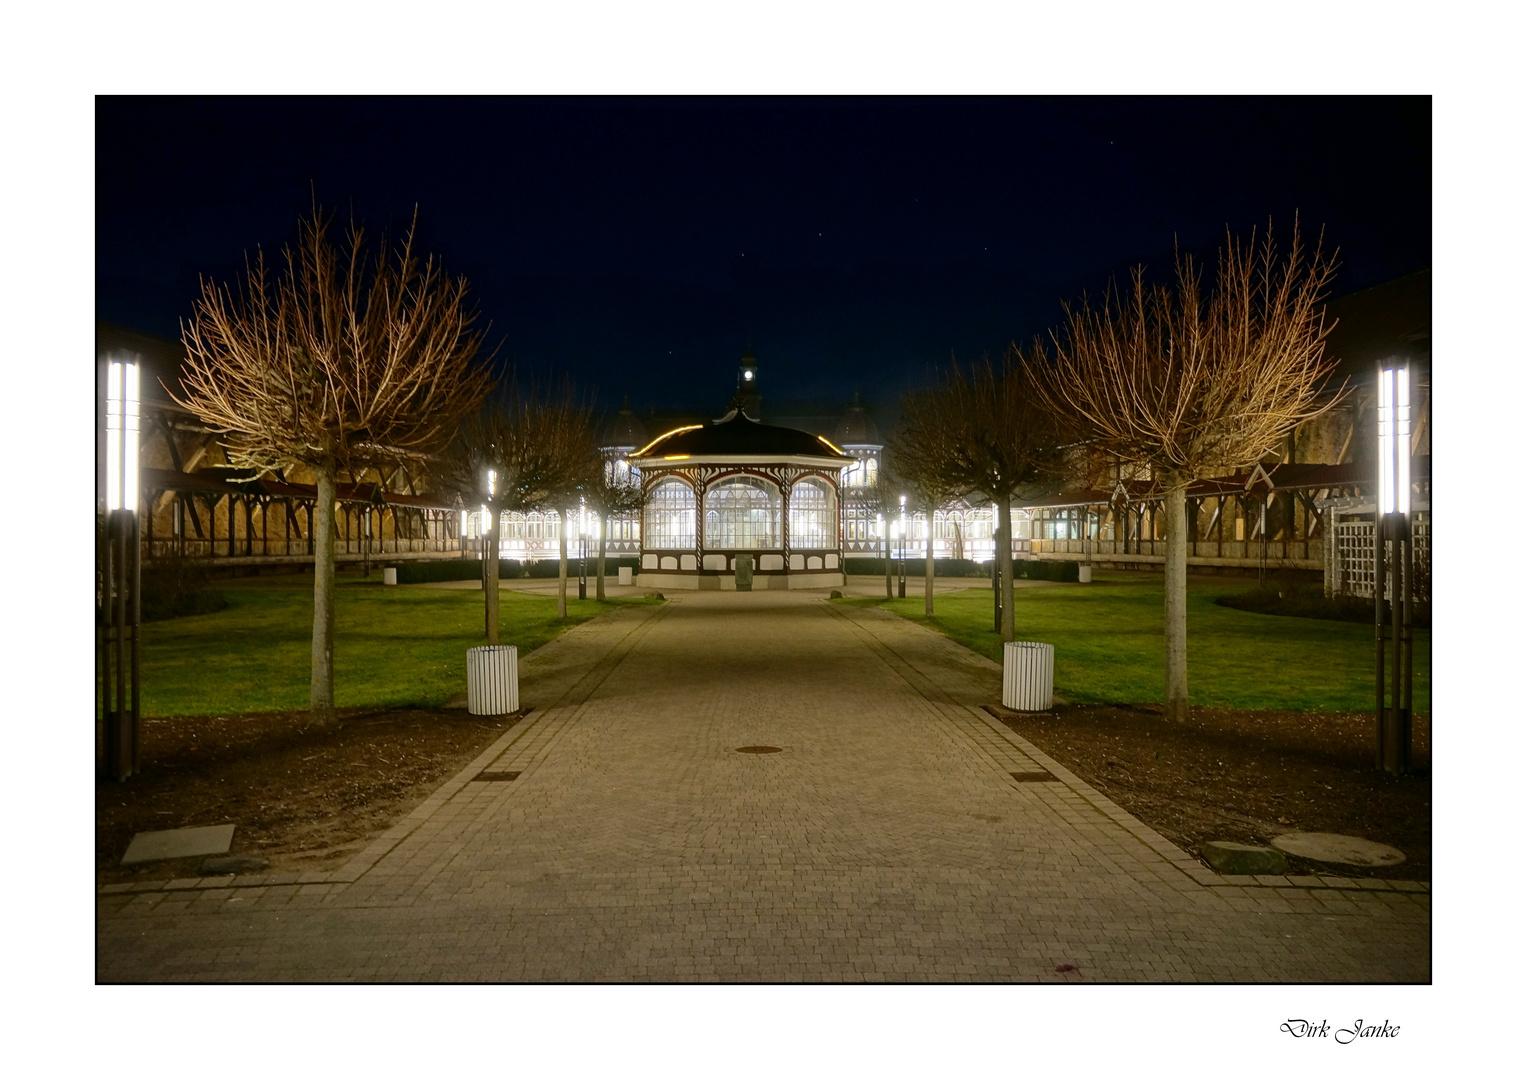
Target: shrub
{"points": [[1308, 601], [174, 587], [417, 571], [1049, 569], [872, 565]]}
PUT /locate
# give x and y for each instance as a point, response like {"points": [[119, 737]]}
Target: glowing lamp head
{"points": [[747, 375], [1394, 440], [122, 436]]}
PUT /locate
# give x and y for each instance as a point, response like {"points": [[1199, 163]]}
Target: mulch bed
{"points": [[301, 796], [308, 798], [1247, 775]]}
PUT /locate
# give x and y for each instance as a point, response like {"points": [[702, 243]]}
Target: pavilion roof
{"points": [[737, 434]]}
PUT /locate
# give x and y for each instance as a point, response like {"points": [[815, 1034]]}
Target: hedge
{"points": [[861, 565], [415, 571], [1047, 569]]}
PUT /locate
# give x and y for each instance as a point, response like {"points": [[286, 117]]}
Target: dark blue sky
{"points": [[641, 244]]}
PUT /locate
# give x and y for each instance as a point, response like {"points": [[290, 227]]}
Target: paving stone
{"points": [[231, 864], [886, 842], [1228, 857]]}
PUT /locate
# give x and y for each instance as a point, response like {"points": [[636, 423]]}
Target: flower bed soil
{"points": [[308, 798], [1247, 775], [300, 796]]}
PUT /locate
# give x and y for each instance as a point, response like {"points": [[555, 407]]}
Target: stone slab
{"points": [[1229, 857], [179, 843], [1336, 848]]}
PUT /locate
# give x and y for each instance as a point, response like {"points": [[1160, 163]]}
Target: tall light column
{"points": [[119, 566], [1393, 572]]}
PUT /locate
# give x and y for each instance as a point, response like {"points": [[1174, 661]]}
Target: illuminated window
{"points": [[742, 513], [813, 515], [669, 520], [870, 470]]}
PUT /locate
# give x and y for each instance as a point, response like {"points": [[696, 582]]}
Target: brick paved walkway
{"points": [[887, 841]]}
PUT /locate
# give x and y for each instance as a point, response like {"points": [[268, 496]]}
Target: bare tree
{"points": [[339, 360], [585, 465], [1182, 387], [615, 492], [513, 456], [917, 461], [982, 429]]}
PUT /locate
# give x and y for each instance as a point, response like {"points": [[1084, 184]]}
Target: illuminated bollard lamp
{"points": [[1393, 572], [119, 570]]}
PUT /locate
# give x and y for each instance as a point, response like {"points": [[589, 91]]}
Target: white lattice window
{"points": [[742, 513], [813, 515], [669, 520]]}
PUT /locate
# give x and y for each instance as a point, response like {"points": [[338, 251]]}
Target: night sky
{"points": [[642, 244]]}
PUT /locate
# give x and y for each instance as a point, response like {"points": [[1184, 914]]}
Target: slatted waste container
{"points": [[493, 680], [1028, 676], [744, 573]]}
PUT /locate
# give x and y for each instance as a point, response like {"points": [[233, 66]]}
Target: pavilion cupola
{"points": [[748, 399]]}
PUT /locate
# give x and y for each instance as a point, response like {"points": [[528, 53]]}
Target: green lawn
{"points": [[393, 646], [1109, 646]]}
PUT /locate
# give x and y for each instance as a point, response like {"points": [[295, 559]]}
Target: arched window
{"points": [[813, 515], [740, 513], [669, 519]]}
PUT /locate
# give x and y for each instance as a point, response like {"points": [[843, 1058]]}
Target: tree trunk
{"points": [[1005, 564], [1176, 600], [928, 576], [490, 577], [562, 565], [604, 526], [321, 690]]}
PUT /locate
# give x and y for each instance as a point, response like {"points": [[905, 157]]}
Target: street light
{"points": [[1392, 536], [583, 551], [996, 572], [119, 559], [901, 564]]}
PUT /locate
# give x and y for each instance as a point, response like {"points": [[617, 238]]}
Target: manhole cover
{"points": [[758, 749], [497, 776], [1335, 848]]}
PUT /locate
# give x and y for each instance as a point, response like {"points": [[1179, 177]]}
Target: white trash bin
{"points": [[1084, 573], [389, 575], [625, 575], [493, 680], [1028, 676]]}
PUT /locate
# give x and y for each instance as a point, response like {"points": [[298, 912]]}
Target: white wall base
{"points": [[821, 579]]}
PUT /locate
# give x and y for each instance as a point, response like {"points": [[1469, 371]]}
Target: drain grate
{"points": [[1031, 777], [496, 776], [758, 749]]}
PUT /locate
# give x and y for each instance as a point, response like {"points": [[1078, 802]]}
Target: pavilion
{"points": [[736, 486]]}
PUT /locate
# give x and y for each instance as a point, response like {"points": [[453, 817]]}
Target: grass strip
{"points": [[394, 647], [1108, 638]]}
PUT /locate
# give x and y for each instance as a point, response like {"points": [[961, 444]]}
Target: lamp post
{"points": [[883, 534], [901, 562], [996, 571], [583, 551], [1394, 575], [119, 566]]}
